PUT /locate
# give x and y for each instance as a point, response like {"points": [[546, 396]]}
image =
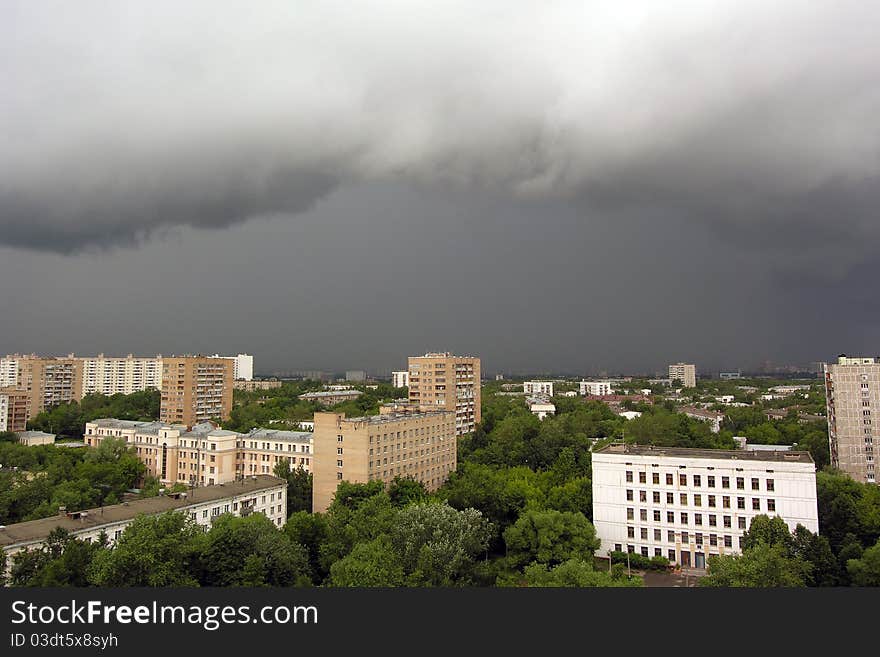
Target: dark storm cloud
{"points": [[756, 119]]}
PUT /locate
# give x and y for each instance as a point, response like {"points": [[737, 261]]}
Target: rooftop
{"points": [[395, 417], [37, 530], [35, 434], [273, 434], [696, 453]]}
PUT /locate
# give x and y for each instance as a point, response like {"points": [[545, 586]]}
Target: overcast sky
{"points": [[554, 186]]}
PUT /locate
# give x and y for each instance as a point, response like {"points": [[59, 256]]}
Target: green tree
{"points": [[866, 570], [404, 491], [309, 530], [575, 573], [62, 561], [550, 537], [299, 486], [370, 564], [764, 529], [765, 565]]}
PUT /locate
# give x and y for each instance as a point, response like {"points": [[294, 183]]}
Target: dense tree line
{"points": [[69, 420]]}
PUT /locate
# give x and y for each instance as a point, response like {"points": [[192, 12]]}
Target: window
{"points": [[771, 505], [630, 532], [656, 516], [339, 475], [657, 536], [630, 514], [629, 495], [684, 518], [698, 539], [642, 478], [710, 481], [727, 522], [338, 439], [725, 501], [728, 541], [713, 520], [629, 476], [658, 552], [685, 538], [740, 503], [756, 504], [698, 500], [670, 537], [643, 496], [630, 549], [655, 478], [643, 515], [756, 484], [725, 482], [713, 539], [771, 484], [668, 478], [671, 554], [683, 498], [339, 450], [682, 480], [670, 498], [697, 480], [644, 533], [618, 547], [698, 519], [740, 483], [712, 501], [670, 516], [656, 496], [644, 552], [339, 463], [741, 522]]}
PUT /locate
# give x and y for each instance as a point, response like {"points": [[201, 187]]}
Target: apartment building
{"points": [[49, 381], [400, 379], [541, 406], [242, 366], [688, 504], [538, 388], [260, 494], [596, 388], [443, 381], [256, 384], [109, 375], [420, 445], [9, 371], [684, 372], [331, 397], [15, 407], [204, 455], [195, 389], [852, 395]]}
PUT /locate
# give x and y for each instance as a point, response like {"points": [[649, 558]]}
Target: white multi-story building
{"points": [[8, 372], [602, 388], [688, 504], [108, 375], [541, 406], [684, 372], [538, 388], [400, 379], [242, 366], [259, 494]]}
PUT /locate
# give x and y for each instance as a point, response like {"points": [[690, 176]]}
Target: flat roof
{"points": [[37, 530], [35, 434], [699, 453], [395, 417], [279, 434]]}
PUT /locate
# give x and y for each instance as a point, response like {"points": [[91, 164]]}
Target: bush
{"points": [[639, 561]]}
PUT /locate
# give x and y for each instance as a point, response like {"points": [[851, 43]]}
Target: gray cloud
{"points": [[755, 119]]}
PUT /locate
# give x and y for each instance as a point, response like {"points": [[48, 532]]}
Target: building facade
{"points": [[108, 375], [400, 379], [195, 389], [419, 445], [50, 381], [204, 455], [688, 504], [684, 372], [541, 406], [256, 384], [595, 388], [242, 366], [331, 397], [15, 408], [261, 494], [538, 388], [852, 394], [452, 383]]}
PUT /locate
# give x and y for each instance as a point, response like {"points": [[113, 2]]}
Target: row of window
{"points": [[684, 518], [684, 536], [711, 500], [697, 480]]}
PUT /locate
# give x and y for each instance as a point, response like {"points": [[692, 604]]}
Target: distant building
{"points": [[362, 449], [595, 388], [262, 494], [256, 384], [724, 399], [442, 381], [538, 388], [242, 366], [499, 377], [630, 415], [684, 372], [195, 389], [108, 375], [15, 407], [713, 417], [31, 438], [357, 376], [852, 394], [400, 379], [689, 504], [331, 397], [541, 406], [728, 376]]}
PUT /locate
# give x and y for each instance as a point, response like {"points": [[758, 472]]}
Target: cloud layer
{"points": [[759, 119]]}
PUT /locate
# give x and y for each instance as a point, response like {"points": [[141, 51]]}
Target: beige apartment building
{"points": [[15, 408], [684, 372], [441, 381], [256, 384], [195, 389], [852, 394], [204, 455], [49, 381], [420, 445]]}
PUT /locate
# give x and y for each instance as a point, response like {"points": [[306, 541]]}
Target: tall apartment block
{"points": [[443, 381], [195, 389], [420, 445], [852, 394], [684, 372], [49, 381], [242, 366], [15, 408], [111, 375], [689, 504]]}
